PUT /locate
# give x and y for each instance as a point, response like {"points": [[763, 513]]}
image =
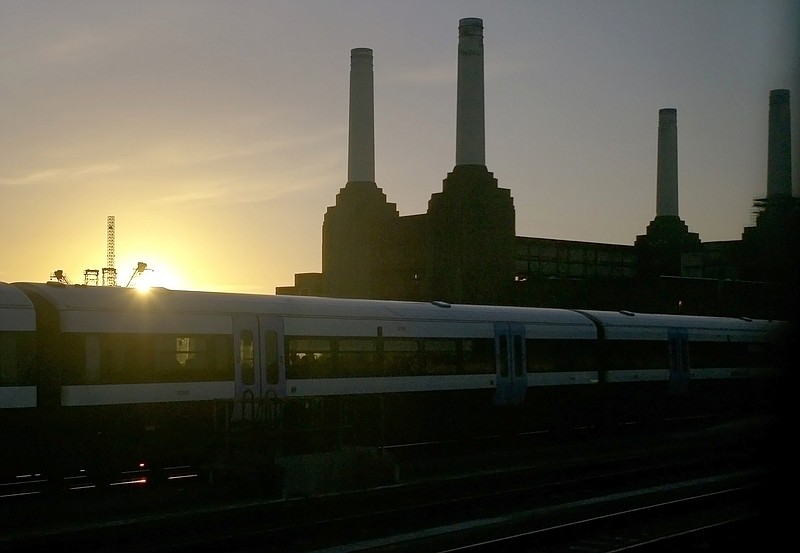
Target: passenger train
{"points": [[91, 375]]}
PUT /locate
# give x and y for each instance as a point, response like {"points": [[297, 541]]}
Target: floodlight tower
{"points": [[109, 272]]}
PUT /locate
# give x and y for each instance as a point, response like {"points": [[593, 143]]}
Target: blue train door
{"points": [[678, 360], [510, 365]]}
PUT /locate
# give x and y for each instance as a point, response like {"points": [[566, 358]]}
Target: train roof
{"points": [[16, 310], [75, 303], [115, 299], [621, 324]]}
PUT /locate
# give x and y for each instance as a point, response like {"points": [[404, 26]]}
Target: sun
{"points": [[142, 286], [156, 275]]}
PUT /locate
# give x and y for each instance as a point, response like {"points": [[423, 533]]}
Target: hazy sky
{"points": [[216, 131]]}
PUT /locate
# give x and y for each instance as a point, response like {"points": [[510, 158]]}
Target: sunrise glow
{"points": [[219, 157]]}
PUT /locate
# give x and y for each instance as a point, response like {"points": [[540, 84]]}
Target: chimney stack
{"points": [[361, 140], [667, 171], [470, 140], [779, 155]]}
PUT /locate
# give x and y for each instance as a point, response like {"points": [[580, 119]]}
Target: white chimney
{"points": [[779, 149], [361, 140], [667, 172], [470, 140]]}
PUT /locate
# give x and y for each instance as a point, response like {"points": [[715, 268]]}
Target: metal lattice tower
{"points": [[109, 272], [90, 277]]}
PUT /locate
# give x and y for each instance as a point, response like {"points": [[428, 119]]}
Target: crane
{"points": [[109, 272], [90, 276], [141, 267]]}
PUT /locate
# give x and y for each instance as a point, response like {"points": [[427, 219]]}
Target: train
{"points": [[92, 377]]}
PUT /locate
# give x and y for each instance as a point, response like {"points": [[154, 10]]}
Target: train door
{"points": [[248, 376], [510, 365], [678, 360], [258, 358], [273, 377], [258, 363]]}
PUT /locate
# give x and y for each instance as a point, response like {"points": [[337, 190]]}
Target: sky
{"points": [[215, 132]]}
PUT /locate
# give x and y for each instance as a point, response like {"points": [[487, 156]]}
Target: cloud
{"points": [[75, 47], [59, 174], [275, 145], [98, 169], [191, 196], [210, 146]]}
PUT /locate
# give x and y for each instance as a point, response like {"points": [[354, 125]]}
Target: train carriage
{"points": [[125, 377], [17, 331], [122, 373], [17, 378], [420, 370], [684, 364]]}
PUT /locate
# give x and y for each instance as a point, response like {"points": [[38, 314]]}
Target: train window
{"points": [[8, 359], [370, 357], [271, 356], [16, 358], [358, 357], [93, 358], [706, 355], [133, 355], [191, 351], [441, 356], [197, 357], [128, 358], [309, 358], [179, 353], [401, 357], [502, 355], [478, 356], [678, 353], [560, 355], [72, 358], [518, 356], [223, 357], [247, 356], [637, 355]]}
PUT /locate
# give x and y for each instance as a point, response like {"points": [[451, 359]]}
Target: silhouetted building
{"points": [[464, 249], [770, 248], [668, 248]]}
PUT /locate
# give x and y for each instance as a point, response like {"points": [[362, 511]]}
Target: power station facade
{"points": [[464, 249]]}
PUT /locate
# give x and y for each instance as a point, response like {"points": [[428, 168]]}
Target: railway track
{"points": [[636, 520], [467, 508]]}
